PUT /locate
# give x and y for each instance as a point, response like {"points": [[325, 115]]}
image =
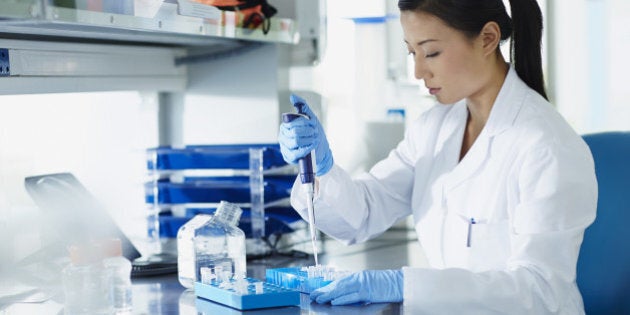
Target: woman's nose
{"points": [[420, 70]]}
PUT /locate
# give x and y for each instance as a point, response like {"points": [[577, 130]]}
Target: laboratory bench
{"points": [[164, 295], [395, 248]]}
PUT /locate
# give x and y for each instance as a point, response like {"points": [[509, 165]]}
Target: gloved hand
{"points": [[370, 286], [301, 136]]}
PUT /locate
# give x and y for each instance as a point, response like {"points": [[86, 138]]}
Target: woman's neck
{"points": [[480, 104]]}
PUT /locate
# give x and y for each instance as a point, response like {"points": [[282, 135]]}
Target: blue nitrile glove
{"points": [[300, 136], [368, 286]]}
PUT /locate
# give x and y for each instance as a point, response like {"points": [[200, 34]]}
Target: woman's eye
{"points": [[435, 54]]}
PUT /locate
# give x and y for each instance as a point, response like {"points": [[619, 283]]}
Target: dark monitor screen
{"points": [[77, 216], [74, 212]]}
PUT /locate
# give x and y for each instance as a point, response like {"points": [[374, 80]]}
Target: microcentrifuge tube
{"points": [[207, 275], [258, 286], [240, 286]]}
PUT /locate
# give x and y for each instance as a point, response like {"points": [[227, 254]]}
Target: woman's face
{"points": [[451, 65]]}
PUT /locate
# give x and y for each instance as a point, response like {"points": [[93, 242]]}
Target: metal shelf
{"points": [[38, 18]]}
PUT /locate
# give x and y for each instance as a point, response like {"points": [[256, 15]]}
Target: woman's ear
{"points": [[490, 37]]}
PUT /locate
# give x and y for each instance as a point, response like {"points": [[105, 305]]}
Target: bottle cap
{"points": [[228, 212], [93, 251], [112, 247], [86, 253]]}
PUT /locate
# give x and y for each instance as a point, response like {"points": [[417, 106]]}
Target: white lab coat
{"points": [[528, 182]]}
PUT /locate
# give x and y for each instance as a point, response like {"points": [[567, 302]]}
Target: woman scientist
{"points": [[499, 186]]}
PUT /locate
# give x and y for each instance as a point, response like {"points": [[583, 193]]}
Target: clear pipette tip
{"points": [[311, 221]]}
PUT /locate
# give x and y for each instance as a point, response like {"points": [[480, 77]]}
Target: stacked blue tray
{"points": [[277, 220], [233, 156], [202, 190], [214, 189]]}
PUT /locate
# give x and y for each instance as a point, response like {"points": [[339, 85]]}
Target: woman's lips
{"points": [[434, 91]]}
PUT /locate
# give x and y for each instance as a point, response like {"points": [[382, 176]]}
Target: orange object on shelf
{"points": [[250, 14]]}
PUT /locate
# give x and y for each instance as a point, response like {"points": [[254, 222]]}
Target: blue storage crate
{"points": [[215, 189], [275, 223], [233, 156]]}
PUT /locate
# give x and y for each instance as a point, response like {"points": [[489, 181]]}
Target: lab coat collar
{"points": [[502, 116], [507, 105]]}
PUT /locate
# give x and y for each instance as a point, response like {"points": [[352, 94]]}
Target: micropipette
{"points": [[307, 177]]}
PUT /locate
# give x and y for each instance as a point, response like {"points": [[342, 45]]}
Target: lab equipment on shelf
{"points": [[246, 293], [146, 22], [304, 279]]}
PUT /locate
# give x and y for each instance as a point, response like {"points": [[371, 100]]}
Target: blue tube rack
{"points": [[297, 278], [272, 295], [207, 307]]}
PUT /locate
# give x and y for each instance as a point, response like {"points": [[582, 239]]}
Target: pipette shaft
{"points": [[311, 220]]}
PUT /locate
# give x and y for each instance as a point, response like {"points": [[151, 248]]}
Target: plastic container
{"points": [[220, 243], [186, 249], [86, 282], [119, 269]]}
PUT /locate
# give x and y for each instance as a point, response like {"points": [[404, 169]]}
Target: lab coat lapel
{"points": [[502, 116], [471, 163], [449, 139]]}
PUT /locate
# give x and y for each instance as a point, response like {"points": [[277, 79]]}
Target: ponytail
{"points": [[525, 48], [525, 28]]}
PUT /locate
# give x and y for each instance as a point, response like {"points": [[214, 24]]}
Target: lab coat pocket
{"points": [[489, 244]]}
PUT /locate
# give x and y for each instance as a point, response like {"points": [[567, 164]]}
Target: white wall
{"points": [[234, 99], [100, 137], [592, 45]]}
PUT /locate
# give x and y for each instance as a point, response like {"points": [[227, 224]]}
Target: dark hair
{"points": [[525, 28]]}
